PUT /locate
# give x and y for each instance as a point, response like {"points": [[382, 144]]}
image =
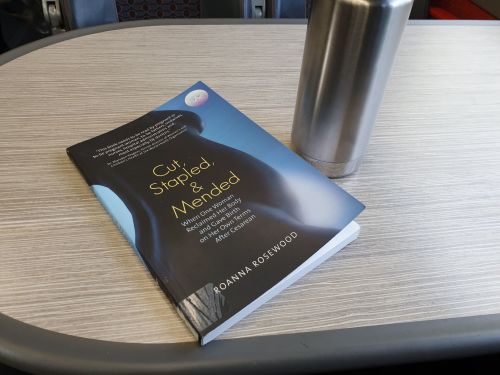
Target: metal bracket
{"points": [[53, 15], [258, 8]]}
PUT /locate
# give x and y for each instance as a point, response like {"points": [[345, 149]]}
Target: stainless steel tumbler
{"points": [[349, 50]]}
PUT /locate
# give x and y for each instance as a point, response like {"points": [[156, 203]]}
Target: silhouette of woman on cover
{"points": [[183, 265]]}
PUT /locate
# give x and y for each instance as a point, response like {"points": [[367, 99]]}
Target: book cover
{"points": [[222, 214]]}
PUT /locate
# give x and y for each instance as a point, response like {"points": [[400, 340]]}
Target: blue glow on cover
{"points": [[326, 205], [118, 211]]}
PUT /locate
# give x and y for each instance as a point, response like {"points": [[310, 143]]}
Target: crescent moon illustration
{"points": [[196, 98]]}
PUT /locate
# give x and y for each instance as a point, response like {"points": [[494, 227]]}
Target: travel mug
{"points": [[348, 54]]}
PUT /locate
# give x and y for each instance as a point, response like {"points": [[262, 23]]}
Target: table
{"points": [[421, 282]]}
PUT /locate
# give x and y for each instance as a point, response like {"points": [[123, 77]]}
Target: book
{"points": [[222, 214]]}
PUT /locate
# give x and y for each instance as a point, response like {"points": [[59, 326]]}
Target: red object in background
{"points": [[458, 9], [441, 14]]}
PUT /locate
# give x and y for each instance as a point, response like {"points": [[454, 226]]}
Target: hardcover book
{"points": [[221, 213]]}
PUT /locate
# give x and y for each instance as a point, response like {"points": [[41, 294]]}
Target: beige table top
{"points": [[430, 241]]}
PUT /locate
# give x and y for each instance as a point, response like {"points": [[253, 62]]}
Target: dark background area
{"points": [[485, 365]]}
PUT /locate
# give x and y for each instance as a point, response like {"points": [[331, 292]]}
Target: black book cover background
{"points": [[184, 267]]}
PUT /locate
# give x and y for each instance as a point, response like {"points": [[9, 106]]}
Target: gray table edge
{"points": [[27, 48], [34, 349]]}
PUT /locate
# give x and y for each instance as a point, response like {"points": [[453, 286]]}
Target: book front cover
{"points": [[218, 209]]}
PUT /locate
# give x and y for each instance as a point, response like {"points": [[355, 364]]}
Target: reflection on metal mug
{"points": [[349, 50]]}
